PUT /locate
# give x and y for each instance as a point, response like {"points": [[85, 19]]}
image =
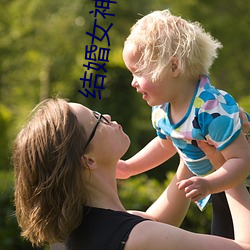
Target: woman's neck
{"points": [[102, 189]]}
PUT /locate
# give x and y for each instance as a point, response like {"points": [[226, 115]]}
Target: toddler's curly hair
{"points": [[161, 36]]}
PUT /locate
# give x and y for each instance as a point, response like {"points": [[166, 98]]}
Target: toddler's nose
{"points": [[134, 83]]}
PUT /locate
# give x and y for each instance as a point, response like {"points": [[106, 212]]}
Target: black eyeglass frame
{"points": [[100, 118]]}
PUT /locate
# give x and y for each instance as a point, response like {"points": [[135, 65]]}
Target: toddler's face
{"points": [[152, 92]]}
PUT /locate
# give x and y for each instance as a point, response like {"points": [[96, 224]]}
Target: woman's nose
{"points": [[108, 117]]}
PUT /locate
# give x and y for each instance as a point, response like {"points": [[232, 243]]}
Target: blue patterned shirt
{"points": [[213, 115]]}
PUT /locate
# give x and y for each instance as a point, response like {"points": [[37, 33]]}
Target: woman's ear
{"points": [[89, 161]]}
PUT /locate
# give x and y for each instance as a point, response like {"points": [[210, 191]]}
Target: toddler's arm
{"points": [[153, 154], [234, 171], [171, 207]]}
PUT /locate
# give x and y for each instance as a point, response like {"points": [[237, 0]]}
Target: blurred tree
{"points": [[228, 22], [245, 103], [5, 124]]}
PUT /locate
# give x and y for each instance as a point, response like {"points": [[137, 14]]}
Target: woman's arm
{"points": [[160, 236]]}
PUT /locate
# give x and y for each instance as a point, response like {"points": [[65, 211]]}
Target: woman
{"points": [[65, 166]]}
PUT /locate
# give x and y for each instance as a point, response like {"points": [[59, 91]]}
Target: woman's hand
{"points": [[245, 124]]}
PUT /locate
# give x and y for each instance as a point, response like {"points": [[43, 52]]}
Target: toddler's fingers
{"points": [[193, 195], [184, 183]]}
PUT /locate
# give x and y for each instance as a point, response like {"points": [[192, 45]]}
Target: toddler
{"points": [[170, 59]]}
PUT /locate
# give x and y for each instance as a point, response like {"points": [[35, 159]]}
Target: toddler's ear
{"points": [[175, 66]]}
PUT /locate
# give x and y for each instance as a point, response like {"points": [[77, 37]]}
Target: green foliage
{"points": [[139, 192], [5, 124], [245, 103]]}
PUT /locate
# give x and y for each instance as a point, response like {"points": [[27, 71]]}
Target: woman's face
{"points": [[109, 138]]}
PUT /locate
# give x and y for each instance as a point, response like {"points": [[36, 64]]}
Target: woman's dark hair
{"points": [[49, 180]]}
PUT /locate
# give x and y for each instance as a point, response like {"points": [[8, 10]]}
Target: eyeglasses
{"points": [[100, 118]]}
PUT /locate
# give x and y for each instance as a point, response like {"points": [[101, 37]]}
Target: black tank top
{"points": [[102, 229]]}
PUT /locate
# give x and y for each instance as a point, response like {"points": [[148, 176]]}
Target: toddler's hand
{"points": [[195, 187], [122, 170]]}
